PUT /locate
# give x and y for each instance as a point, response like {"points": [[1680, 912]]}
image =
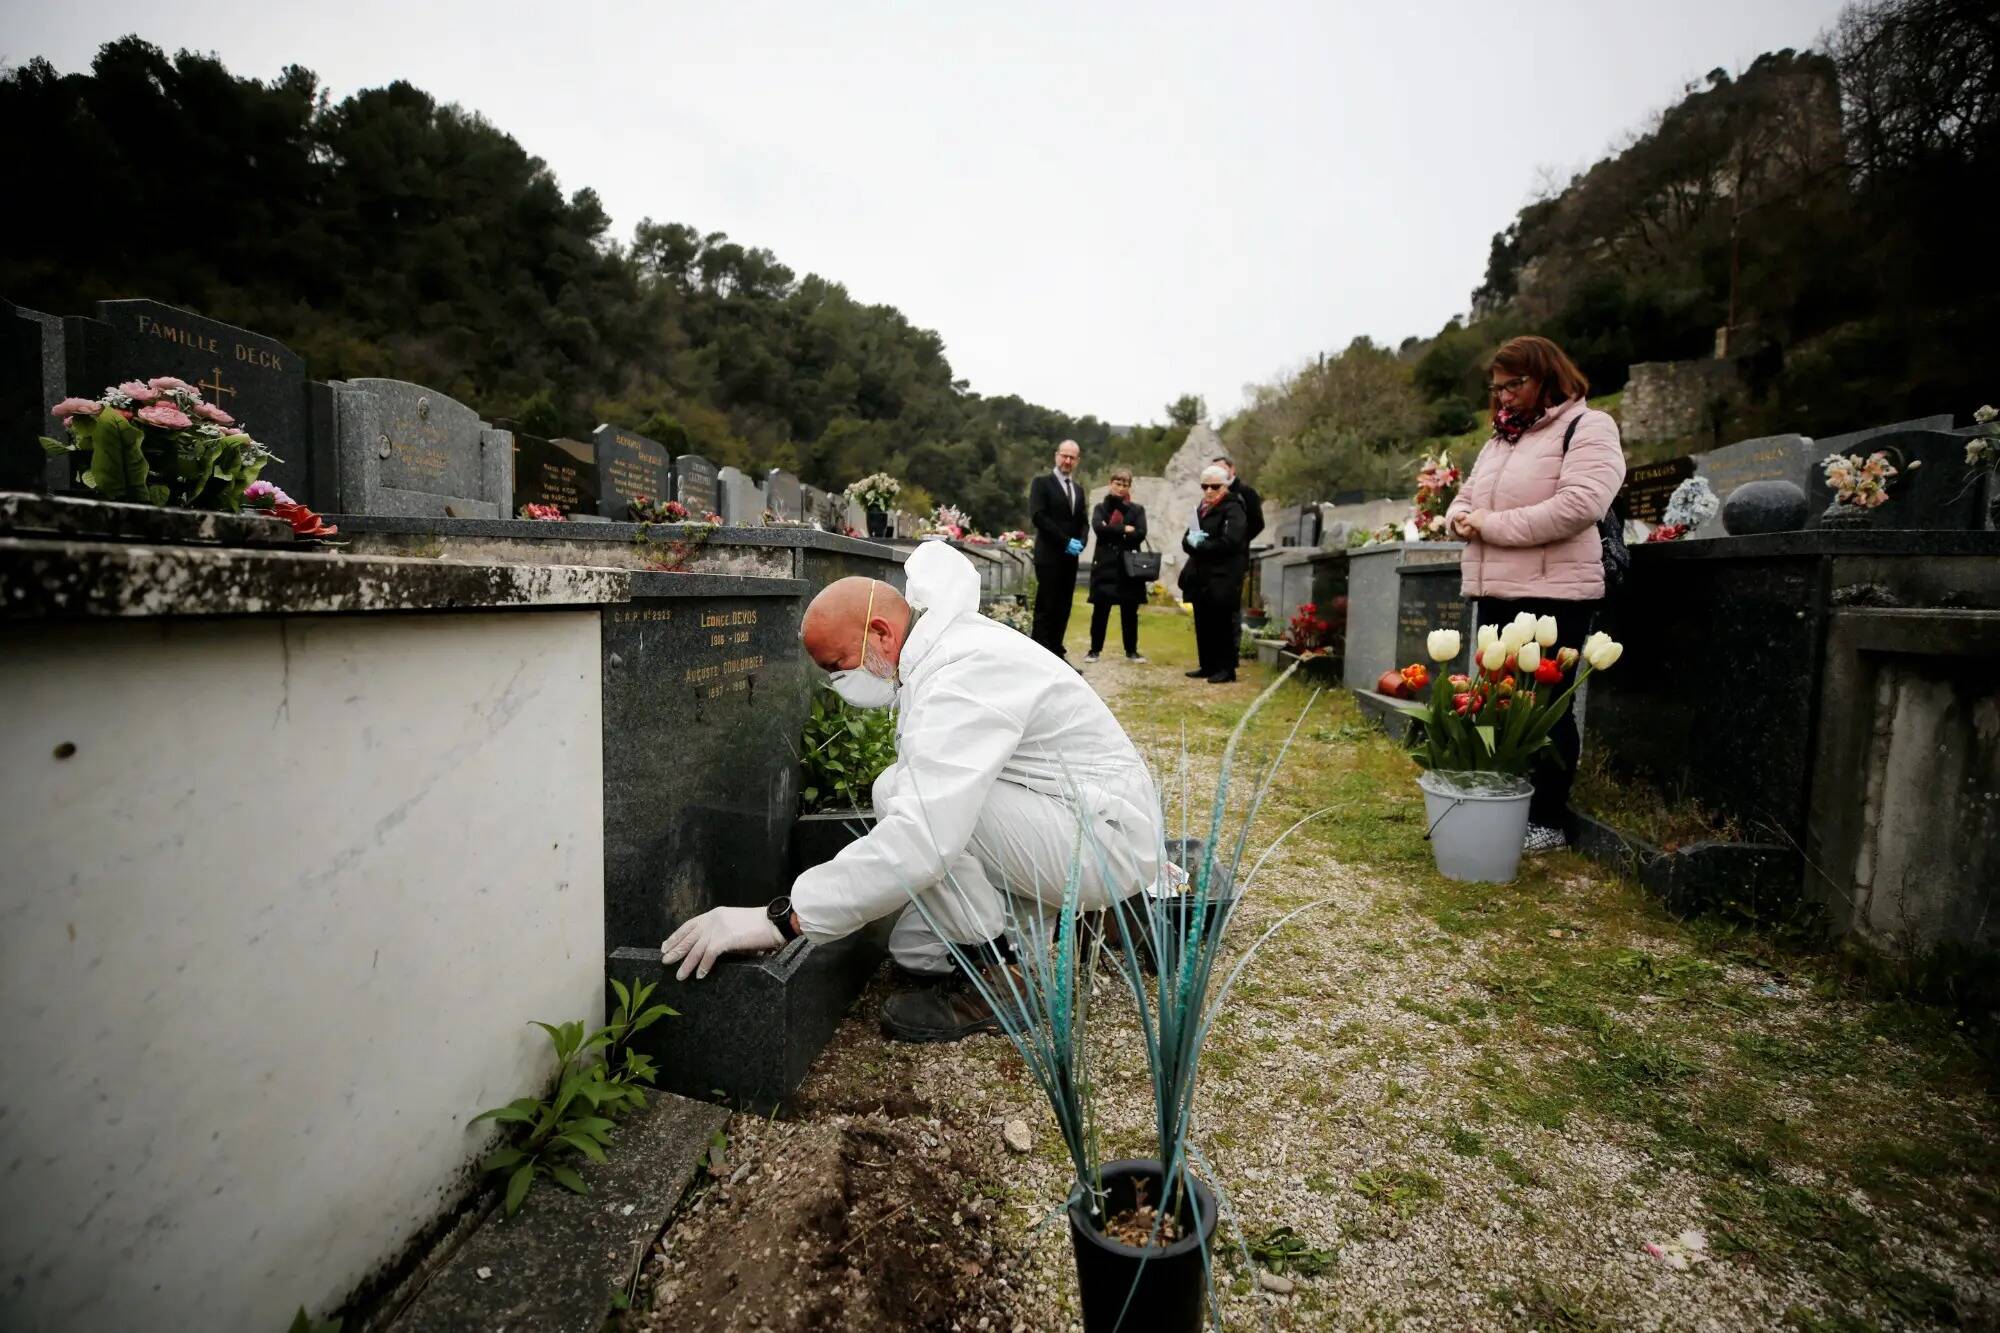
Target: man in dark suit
{"points": [[1059, 514], [1253, 513]]}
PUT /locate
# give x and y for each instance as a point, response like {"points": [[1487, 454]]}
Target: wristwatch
{"points": [[779, 913]]}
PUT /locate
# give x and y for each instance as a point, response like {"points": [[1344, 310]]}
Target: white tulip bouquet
{"points": [[1499, 717]]}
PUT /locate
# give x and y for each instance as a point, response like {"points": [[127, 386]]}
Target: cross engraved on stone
{"points": [[217, 389]]}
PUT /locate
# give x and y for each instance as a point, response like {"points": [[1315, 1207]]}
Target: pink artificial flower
{"points": [[213, 413], [166, 382], [166, 416], [263, 495], [76, 407], [139, 392]]}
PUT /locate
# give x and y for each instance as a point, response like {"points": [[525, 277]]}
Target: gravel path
{"points": [[1479, 1107]]}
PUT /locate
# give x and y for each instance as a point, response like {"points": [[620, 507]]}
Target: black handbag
{"points": [[1610, 534], [1142, 564]]}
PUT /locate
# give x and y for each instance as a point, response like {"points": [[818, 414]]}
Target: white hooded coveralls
{"points": [[1000, 747]]}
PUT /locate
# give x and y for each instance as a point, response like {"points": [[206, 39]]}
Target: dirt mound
{"points": [[854, 1223]]}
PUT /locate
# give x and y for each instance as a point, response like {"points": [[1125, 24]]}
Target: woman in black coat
{"points": [[1218, 548], [1120, 526]]}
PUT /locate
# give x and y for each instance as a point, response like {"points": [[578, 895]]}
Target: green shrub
{"points": [[843, 749]]}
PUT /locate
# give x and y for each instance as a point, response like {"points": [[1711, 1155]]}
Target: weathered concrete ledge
{"points": [[555, 1264], [617, 545], [27, 513], [53, 580]]}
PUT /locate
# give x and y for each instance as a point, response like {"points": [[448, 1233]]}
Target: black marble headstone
{"points": [[30, 380], [1429, 599], [705, 697], [562, 473], [1648, 487], [629, 466], [1933, 490], [695, 484], [258, 380]]}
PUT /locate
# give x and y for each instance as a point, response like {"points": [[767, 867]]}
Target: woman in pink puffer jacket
{"points": [[1528, 515]]}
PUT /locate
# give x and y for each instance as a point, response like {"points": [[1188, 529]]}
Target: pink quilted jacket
{"points": [[1540, 533]]}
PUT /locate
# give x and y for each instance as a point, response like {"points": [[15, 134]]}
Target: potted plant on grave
{"points": [[1142, 1230], [841, 752], [877, 494], [157, 442], [1254, 618], [1310, 637], [1860, 486], [1477, 736]]}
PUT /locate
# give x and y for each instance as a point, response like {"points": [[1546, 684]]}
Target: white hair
{"points": [[1215, 472]]}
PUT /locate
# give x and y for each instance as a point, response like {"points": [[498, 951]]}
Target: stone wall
{"points": [[1674, 400]]}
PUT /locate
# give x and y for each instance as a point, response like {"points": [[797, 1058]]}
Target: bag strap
{"points": [[1570, 434]]}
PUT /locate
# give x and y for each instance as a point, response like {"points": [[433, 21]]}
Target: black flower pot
{"points": [[1838, 517], [878, 523], [1137, 1290]]}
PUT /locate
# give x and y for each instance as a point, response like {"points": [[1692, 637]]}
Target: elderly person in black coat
{"points": [[1218, 548], [1120, 525]]}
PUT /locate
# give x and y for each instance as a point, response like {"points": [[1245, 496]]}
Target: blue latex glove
{"points": [[1196, 536], [1075, 546]]}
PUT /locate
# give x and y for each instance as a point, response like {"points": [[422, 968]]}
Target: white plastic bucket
{"points": [[1476, 832]]}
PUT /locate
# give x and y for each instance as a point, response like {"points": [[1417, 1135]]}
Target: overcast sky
{"points": [[1099, 206]]}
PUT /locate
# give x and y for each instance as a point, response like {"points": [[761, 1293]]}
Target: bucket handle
{"points": [[1456, 802]]}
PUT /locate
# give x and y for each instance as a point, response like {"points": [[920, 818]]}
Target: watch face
{"points": [[779, 909]]}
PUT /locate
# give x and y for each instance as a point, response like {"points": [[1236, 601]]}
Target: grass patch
{"points": [[1634, 806], [1399, 1189]]}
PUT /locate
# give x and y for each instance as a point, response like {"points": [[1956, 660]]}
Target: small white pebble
{"points": [[1273, 1283], [483, 1272]]}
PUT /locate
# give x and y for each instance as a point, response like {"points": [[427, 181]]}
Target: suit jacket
{"points": [[1253, 508], [1217, 566], [1055, 523]]}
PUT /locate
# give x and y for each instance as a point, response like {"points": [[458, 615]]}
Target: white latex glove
{"points": [[720, 930], [1196, 536]]}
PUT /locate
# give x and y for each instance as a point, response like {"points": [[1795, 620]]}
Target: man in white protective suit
{"points": [[1010, 774]]}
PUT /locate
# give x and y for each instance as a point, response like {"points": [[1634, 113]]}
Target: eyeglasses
{"points": [[1214, 486], [1507, 386]]}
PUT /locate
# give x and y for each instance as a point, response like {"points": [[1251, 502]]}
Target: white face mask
{"points": [[858, 685]]}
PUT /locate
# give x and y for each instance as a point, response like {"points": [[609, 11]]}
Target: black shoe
{"points": [[950, 1010], [1199, 673], [1223, 678]]}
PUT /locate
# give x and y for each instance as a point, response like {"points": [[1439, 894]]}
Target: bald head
{"points": [[832, 631]]}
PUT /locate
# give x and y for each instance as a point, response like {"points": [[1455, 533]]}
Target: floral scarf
{"points": [[1510, 425]]}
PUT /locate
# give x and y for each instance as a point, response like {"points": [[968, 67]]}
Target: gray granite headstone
{"points": [[409, 451], [562, 473], [813, 506], [782, 495], [695, 484], [258, 380], [630, 466], [1793, 458], [740, 499]]}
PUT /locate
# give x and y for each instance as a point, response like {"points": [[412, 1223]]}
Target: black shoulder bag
{"points": [[1610, 532]]}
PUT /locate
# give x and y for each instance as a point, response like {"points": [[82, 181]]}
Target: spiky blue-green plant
{"points": [[1043, 1005]]}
